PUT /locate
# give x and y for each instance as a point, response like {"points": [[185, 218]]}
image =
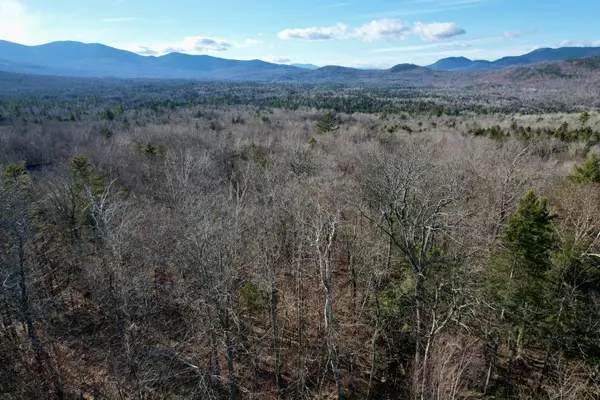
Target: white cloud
{"points": [[443, 45], [18, 24], [576, 43], [518, 34], [314, 33], [188, 45], [247, 43], [200, 44], [119, 19], [388, 29], [511, 34], [252, 42], [384, 29], [437, 31], [277, 59], [142, 50]]}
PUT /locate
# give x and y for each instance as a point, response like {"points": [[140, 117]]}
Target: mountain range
{"points": [[462, 64], [96, 60], [306, 66]]}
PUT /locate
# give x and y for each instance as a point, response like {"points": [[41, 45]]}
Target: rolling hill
{"points": [[97, 60], [306, 66], [463, 64], [74, 59]]}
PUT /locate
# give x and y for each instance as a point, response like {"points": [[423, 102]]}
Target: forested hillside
{"points": [[220, 241], [75, 59]]}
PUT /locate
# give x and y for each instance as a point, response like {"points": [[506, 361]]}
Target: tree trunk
{"points": [[230, 368], [491, 361], [373, 344], [331, 350], [423, 368], [324, 251], [419, 315], [31, 333], [299, 305], [353, 278], [216, 363], [275, 336], [419, 308], [42, 358], [545, 369], [388, 259]]}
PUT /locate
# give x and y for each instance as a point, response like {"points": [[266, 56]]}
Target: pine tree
{"points": [[15, 174], [328, 123], [108, 115], [520, 273], [589, 172], [85, 176], [584, 117], [88, 188], [530, 239]]}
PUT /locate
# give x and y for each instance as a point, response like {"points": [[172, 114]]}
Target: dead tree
{"points": [[325, 232]]}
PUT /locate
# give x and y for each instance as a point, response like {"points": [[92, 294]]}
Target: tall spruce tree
{"points": [[328, 123], [88, 187], [520, 277], [15, 175], [529, 240], [588, 172]]}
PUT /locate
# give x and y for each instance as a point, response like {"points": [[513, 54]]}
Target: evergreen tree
{"points": [[520, 273], [588, 172], [584, 117], [15, 175], [108, 115], [119, 109], [88, 188], [328, 123], [530, 238], [85, 178]]}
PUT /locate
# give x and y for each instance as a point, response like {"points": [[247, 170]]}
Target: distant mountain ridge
{"points": [[97, 60], [75, 59], [462, 64], [306, 66]]}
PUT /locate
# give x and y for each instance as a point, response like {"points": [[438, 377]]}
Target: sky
{"points": [[356, 33]]}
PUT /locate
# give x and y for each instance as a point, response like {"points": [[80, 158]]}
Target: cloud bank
{"points": [[314, 33], [277, 59], [189, 45], [577, 43], [437, 31], [387, 29]]}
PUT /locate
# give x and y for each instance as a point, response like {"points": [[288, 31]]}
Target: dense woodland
{"points": [[225, 241]]}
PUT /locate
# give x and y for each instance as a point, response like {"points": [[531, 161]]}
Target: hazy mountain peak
{"points": [[69, 58], [406, 67], [306, 66], [534, 57]]}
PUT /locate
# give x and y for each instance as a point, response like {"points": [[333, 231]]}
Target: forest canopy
{"points": [[251, 241]]}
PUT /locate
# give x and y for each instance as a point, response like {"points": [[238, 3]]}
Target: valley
{"points": [[361, 234]]}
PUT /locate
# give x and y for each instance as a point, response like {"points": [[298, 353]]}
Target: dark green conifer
{"points": [[588, 172], [328, 123]]}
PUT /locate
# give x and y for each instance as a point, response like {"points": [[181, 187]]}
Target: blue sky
{"points": [[361, 33]]}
